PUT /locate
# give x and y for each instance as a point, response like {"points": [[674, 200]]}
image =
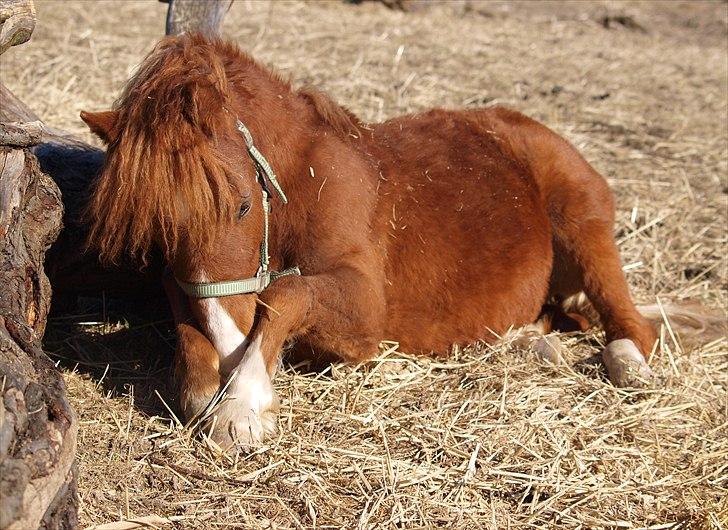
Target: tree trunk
{"points": [[195, 15], [37, 425]]}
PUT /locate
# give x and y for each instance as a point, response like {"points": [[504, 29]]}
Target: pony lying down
{"points": [[285, 219]]}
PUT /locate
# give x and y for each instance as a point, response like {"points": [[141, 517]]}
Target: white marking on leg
{"points": [[251, 381], [248, 412], [626, 365]]}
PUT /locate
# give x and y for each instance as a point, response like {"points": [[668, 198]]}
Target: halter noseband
{"points": [[264, 175]]}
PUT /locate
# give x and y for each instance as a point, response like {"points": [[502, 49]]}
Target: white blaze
{"points": [[223, 332]]}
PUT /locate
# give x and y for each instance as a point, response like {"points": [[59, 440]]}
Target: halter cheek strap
{"points": [[264, 175]]}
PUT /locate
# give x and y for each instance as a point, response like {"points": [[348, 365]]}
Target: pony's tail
{"points": [[692, 324]]}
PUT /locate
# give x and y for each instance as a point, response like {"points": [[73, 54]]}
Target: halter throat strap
{"points": [[264, 175]]}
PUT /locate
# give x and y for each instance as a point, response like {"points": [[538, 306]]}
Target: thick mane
{"points": [[343, 121], [163, 179]]}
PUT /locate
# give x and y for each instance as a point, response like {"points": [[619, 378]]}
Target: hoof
{"points": [[235, 426], [626, 366], [548, 349]]}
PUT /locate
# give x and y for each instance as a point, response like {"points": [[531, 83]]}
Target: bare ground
{"points": [[488, 438]]}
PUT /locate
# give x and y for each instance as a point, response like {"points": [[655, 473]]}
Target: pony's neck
{"points": [[276, 123], [284, 122], [314, 148]]}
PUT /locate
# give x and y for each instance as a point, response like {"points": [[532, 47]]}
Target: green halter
{"points": [[264, 175]]}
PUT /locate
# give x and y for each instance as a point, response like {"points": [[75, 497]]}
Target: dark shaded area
{"points": [[121, 343], [112, 323], [74, 270]]}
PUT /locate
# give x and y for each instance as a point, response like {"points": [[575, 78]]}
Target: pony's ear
{"points": [[102, 124]]}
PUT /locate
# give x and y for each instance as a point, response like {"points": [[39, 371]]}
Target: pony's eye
{"points": [[244, 209]]}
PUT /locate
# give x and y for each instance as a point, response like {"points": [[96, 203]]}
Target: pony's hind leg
{"points": [[587, 258], [581, 211]]}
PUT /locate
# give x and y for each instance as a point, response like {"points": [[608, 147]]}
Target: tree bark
{"points": [[37, 424], [17, 21], [195, 15]]}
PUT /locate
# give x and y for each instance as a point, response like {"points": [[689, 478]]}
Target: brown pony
{"points": [[432, 229]]}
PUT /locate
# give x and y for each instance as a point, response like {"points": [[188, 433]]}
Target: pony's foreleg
{"points": [[195, 370], [196, 361], [340, 311]]}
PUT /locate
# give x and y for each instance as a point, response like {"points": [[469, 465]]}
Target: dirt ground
{"points": [[488, 438]]}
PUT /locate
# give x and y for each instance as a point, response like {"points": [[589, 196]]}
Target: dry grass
{"points": [[488, 438]]}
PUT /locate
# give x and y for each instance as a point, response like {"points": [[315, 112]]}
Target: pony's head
{"points": [[178, 174]]}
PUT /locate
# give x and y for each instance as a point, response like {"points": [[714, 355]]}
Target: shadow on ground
{"points": [[120, 344]]}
